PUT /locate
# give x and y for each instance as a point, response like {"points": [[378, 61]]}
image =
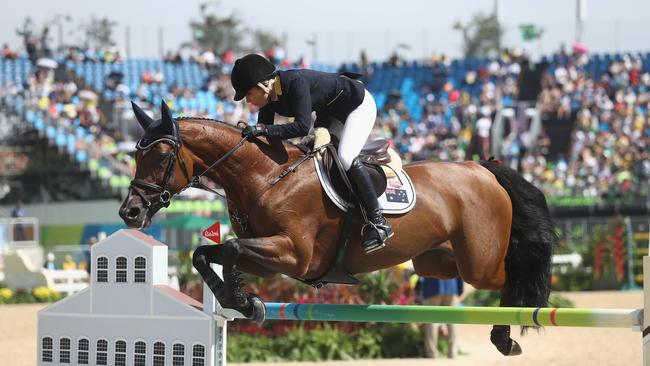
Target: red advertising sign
{"points": [[213, 232]]}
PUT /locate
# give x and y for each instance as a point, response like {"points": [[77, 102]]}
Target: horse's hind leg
{"points": [[480, 254], [500, 335]]}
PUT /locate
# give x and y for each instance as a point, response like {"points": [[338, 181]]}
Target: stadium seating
{"points": [[416, 84]]}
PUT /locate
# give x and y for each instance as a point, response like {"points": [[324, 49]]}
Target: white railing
{"points": [[67, 281], [21, 273]]}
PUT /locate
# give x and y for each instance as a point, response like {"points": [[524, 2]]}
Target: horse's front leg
{"points": [[227, 291], [201, 260], [274, 254]]}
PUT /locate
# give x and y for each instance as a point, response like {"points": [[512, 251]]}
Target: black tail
{"points": [[532, 238]]}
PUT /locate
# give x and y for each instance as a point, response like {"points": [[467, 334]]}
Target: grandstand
{"points": [[69, 129], [567, 140]]}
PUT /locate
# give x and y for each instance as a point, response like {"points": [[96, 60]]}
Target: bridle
{"points": [[164, 195], [138, 185]]}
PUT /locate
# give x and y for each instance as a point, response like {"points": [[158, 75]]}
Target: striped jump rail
{"points": [[561, 317]]}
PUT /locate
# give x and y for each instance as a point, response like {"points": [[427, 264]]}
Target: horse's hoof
{"points": [[515, 349], [500, 337], [258, 314], [509, 348]]}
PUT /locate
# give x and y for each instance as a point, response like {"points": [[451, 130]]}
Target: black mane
{"points": [[184, 118]]}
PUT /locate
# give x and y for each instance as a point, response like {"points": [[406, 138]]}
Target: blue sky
{"points": [[343, 28]]}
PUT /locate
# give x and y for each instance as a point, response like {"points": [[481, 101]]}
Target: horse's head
{"points": [[160, 169]]}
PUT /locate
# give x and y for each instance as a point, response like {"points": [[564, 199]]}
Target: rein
{"points": [[243, 219], [194, 182]]}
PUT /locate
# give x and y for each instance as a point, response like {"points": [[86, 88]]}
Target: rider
{"points": [[297, 93]]}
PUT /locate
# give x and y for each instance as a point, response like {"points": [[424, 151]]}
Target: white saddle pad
{"points": [[398, 197]]}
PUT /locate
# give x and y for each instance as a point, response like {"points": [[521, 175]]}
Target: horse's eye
{"points": [[163, 156]]}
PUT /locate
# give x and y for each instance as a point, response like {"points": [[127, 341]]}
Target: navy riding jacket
{"points": [[300, 92]]}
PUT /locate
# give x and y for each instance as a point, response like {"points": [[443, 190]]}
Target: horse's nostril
{"points": [[133, 212]]}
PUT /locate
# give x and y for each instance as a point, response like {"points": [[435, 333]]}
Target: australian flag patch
{"points": [[396, 195]]}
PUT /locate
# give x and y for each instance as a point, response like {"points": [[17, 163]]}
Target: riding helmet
{"points": [[248, 71]]}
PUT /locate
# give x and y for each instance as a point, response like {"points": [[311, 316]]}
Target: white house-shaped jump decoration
{"points": [[129, 315]]}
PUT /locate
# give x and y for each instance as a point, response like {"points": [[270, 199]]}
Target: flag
{"points": [[213, 232], [530, 32]]}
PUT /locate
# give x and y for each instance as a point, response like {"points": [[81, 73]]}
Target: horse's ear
{"points": [[143, 119], [167, 125]]}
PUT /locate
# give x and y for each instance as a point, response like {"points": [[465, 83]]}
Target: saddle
{"points": [[376, 152], [339, 178], [393, 186]]}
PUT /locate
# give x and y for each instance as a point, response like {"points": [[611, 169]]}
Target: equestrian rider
{"points": [[297, 93]]}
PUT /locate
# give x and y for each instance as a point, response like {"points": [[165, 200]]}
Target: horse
{"points": [[481, 221]]}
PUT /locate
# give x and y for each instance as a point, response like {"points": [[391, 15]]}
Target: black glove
{"points": [[251, 132]]}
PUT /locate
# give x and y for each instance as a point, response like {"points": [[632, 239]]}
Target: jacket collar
{"points": [[277, 86]]}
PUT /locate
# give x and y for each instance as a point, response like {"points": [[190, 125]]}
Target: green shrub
{"points": [[559, 301], [377, 287], [573, 279], [298, 344], [367, 344], [400, 340], [247, 348], [23, 297], [331, 341]]}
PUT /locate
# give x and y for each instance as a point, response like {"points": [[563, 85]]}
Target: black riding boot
{"points": [[380, 230]]}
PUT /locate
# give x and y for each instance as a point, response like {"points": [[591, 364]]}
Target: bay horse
{"points": [[481, 221]]}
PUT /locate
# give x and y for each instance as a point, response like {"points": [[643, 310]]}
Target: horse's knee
{"points": [[200, 257], [231, 248], [229, 252]]}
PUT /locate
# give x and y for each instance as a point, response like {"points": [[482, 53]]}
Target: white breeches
{"points": [[356, 130]]}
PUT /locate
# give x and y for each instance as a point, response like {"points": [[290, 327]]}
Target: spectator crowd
{"points": [[607, 153]]}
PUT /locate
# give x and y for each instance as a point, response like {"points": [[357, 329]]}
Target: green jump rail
{"points": [[561, 317]]}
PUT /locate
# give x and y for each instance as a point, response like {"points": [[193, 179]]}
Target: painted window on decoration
{"points": [[83, 349], [101, 356], [46, 349], [198, 355], [140, 269], [140, 354], [102, 352], [178, 354], [120, 269], [159, 354], [102, 269], [64, 350], [120, 353]]}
